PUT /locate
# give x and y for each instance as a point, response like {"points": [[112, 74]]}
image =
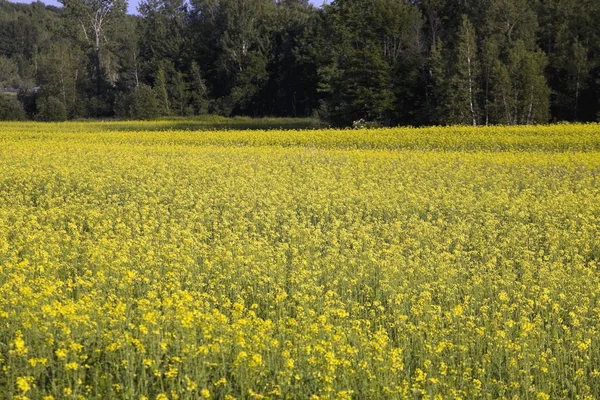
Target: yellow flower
{"points": [[477, 385], [190, 384], [19, 345], [458, 310], [23, 383], [307, 259], [35, 361], [172, 372], [420, 375], [221, 381], [73, 366], [61, 353], [256, 361]]}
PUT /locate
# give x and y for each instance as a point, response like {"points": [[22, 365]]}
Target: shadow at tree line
{"points": [[219, 124]]}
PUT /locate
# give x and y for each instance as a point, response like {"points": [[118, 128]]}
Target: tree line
{"points": [[409, 62]]}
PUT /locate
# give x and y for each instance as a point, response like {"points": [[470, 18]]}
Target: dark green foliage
{"points": [[59, 71], [144, 105], [11, 109], [389, 62], [28, 100], [198, 92], [9, 73], [372, 72], [50, 109], [140, 103]]}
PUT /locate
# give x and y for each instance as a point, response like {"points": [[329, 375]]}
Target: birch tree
{"points": [[465, 81], [235, 35], [516, 90], [60, 73], [97, 22]]}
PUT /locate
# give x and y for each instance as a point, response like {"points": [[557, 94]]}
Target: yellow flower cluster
{"points": [[438, 263]]}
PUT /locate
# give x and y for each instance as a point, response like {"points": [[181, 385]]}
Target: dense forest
{"points": [[409, 62]]}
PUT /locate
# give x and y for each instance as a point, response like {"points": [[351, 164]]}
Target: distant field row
{"points": [[523, 138]]}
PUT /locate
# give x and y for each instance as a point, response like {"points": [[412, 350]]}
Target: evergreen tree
{"points": [[162, 94], [367, 71], [140, 103], [163, 31], [179, 95], [489, 64], [571, 68], [199, 92], [235, 36], [437, 85], [292, 85]]}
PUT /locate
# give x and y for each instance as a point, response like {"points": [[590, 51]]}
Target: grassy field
{"points": [[437, 263]]}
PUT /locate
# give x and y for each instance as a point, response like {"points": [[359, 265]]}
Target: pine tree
{"points": [[374, 65], [178, 93], [199, 92], [162, 94], [578, 72], [572, 67], [490, 55], [437, 90]]}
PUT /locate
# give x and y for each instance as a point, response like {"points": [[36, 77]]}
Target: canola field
{"points": [[438, 263]]}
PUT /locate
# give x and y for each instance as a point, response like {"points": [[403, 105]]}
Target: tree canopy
{"points": [[392, 62]]}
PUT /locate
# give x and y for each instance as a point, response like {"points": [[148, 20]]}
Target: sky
{"points": [[132, 3]]}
